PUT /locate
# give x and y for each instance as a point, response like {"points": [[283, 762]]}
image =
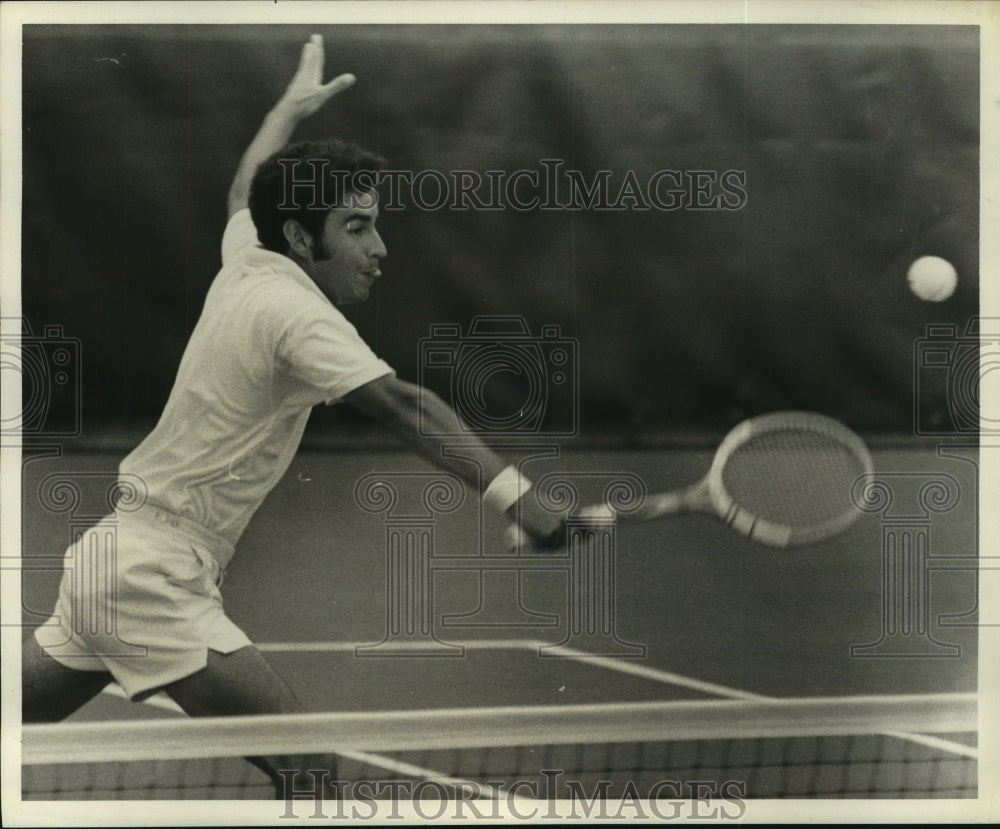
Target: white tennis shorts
{"points": [[139, 597]]}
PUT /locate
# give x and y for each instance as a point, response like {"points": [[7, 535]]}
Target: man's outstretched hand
{"points": [[539, 531], [307, 93], [548, 538]]}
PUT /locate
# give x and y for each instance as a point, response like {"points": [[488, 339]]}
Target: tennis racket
{"points": [[782, 479]]}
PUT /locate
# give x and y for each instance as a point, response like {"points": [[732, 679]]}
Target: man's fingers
{"points": [[310, 72], [311, 61], [516, 539], [339, 84]]}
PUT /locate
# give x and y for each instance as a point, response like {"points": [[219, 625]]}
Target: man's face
{"points": [[345, 258]]}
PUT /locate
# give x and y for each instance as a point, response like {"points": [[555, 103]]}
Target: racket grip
{"points": [[694, 498], [515, 538]]}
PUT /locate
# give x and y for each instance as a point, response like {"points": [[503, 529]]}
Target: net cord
{"points": [[238, 736]]}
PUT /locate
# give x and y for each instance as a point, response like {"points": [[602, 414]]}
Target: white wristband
{"points": [[505, 489]]}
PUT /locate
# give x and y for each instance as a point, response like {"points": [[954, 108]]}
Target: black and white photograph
{"points": [[530, 413]]}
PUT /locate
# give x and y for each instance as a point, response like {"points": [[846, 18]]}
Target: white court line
{"points": [[734, 693], [937, 742], [654, 674], [342, 647], [606, 662]]}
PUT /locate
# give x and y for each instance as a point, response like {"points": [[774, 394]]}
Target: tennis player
{"points": [[270, 344]]}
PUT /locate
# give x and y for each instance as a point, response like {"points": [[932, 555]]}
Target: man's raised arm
{"points": [[305, 95]]}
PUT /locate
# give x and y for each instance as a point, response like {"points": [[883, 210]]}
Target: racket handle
{"points": [[517, 539], [694, 498]]}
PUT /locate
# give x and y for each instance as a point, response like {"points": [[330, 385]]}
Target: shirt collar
{"points": [[285, 265]]}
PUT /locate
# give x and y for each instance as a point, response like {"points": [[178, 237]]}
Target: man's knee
{"points": [[50, 691], [242, 682]]}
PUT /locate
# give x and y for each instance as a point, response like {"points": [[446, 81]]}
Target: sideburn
{"points": [[319, 250]]}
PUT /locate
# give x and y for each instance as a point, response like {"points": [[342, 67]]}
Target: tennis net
{"points": [[865, 746]]}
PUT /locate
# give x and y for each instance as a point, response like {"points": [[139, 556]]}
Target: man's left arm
{"points": [[305, 95]]}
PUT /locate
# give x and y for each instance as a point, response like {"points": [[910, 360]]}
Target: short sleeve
{"points": [[322, 349], [240, 233]]}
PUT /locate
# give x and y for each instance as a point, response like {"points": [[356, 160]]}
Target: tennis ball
{"points": [[932, 278]]}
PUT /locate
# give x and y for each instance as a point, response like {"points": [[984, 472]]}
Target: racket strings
{"points": [[794, 477]]}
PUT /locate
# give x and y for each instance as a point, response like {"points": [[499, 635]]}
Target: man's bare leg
{"points": [[244, 683], [49, 690]]}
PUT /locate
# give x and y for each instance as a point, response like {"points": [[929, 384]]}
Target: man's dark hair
{"points": [[275, 197]]}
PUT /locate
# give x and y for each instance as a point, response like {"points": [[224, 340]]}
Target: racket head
{"points": [[784, 479]]}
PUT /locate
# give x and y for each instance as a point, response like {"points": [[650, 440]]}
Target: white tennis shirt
{"points": [[267, 348]]}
